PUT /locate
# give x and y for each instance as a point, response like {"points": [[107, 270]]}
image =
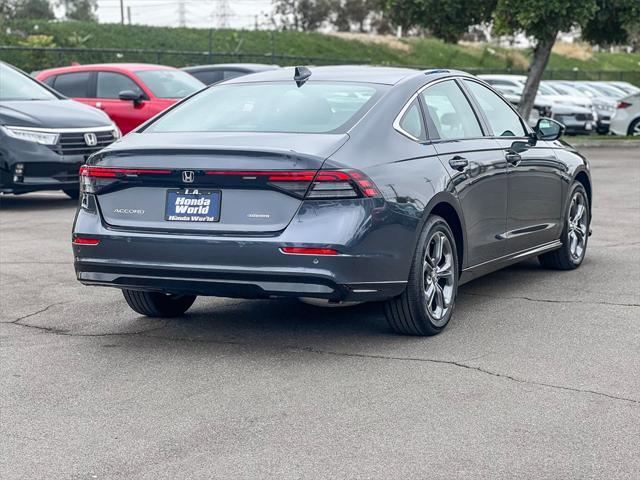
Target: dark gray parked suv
{"points": [[336, 183], [44, 137]]}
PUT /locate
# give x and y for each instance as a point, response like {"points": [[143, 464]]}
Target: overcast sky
{"points": [[198, 13]]}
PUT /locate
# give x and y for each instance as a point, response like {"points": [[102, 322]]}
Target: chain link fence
{"points": [[38, 58]]}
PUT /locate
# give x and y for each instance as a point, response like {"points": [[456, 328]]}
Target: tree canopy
{"points": [[445, 19], [26, 9]]}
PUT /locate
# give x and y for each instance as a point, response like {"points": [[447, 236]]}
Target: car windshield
{"points": [[271, 107], [567, 90], [170, 83], [607, 91], [545, 90], [18, 86]]}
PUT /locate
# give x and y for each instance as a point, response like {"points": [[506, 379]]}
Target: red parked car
{"points": [[130, 93]]}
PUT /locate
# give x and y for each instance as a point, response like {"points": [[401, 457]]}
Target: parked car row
{"points": [[584, 107], [46, 136]]}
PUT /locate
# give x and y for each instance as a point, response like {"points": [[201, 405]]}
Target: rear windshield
{"points": [[17, 86], [170, 83], [272, 107]]}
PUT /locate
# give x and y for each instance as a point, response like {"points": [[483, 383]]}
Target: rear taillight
{"points": [[85, 241], [108, 172], [324, 184], [623, 104]]}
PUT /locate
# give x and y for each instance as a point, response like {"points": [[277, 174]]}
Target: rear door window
{"points": [[73, 85], [450, 111], [110, 84]]}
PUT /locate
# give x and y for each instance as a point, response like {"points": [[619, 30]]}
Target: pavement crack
{"points": [[481, 370], [33, 314], [547, 300], [409, 359], [67, 333], [57, 331], [146, 333]]}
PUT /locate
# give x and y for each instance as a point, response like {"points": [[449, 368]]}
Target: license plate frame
{"points": [[199, 205]]}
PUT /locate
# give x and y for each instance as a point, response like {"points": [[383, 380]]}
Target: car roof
{"points": [[253, 67], [129, 67], [504, 77], [342, 73]]}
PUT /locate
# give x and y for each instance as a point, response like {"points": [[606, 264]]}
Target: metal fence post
{"points": [[273, 46]]}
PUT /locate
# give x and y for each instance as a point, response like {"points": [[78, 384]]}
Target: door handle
{"points": [[458, 163], [513, 158]]}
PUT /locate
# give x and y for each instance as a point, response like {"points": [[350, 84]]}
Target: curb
{"points": [[606, 144]]}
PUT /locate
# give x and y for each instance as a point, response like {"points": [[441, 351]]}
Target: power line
{"points": [[182, 13], [224, 12]]}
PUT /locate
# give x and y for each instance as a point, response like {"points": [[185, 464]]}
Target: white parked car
{"points": [[606, 89], [576, 119], [626, 119], [626, 86], [605, 106], [518, 81]]}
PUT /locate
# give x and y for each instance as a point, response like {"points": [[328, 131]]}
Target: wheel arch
{"points": [[446, 205], [583, 178], [630, 127]]}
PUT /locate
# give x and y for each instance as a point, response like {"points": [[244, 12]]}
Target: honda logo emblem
{"points": [[90, 139], [188, 176]]}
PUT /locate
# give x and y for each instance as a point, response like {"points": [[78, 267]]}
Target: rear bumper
{"points": [[373, 264], [296, 282]]}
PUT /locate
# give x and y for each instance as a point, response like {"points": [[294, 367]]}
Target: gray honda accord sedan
{"points": [[348, 184]]}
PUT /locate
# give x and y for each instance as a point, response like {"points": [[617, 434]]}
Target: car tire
{"points": [[157, 304], [73, 193], [575, 234], [427, 304], [634, 128]]}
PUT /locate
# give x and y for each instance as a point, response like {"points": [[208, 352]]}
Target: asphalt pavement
{"points": [[537, 375]]}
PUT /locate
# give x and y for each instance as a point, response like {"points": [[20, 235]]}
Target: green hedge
{"points": [[265, 47]]}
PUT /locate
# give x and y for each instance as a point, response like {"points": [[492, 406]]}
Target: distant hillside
{"points": [[284, 48]]}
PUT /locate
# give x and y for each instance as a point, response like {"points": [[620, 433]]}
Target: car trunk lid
{"points": [[209, 183]]}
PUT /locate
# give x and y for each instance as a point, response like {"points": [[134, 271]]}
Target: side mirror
{"points": [[548, 129], [131, 96]]}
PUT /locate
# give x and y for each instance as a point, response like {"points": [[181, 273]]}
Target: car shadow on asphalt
{"points": [[41, 202], [289, 321]]}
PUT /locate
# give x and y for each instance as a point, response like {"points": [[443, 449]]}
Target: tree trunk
{"points": [[541, 55]]}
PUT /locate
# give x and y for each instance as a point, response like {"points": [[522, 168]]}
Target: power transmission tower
{"points": [[224, 13], [182, 13]]}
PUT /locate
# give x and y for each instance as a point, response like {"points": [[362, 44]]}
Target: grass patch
{"points": [[575, 61]]}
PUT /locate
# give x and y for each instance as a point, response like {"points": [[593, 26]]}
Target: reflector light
{"points": [[309, 251], [109, 172], [623, 105], [85, 241]]}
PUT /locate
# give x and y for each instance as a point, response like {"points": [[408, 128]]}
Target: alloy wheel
{"points": [[438, 277], [577, 226], [635, 131]]}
